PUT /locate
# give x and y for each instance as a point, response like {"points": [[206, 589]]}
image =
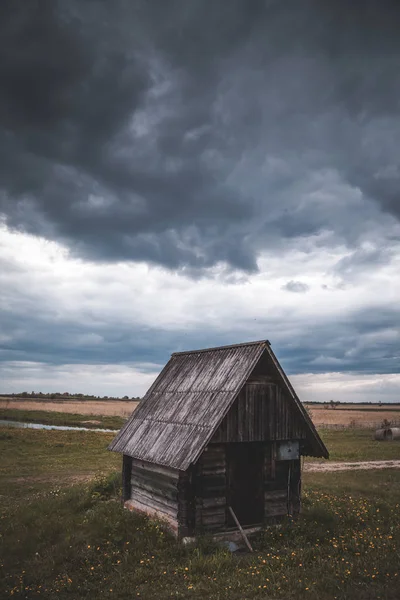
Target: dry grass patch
{"points": [[359, 416], [120, 408]]}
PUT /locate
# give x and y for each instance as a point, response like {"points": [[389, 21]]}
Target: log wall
{"points": [[195, 501], [210, 489], [154, 490], [186, 502]]}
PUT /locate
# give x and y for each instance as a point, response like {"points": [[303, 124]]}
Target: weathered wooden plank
{"points": [[152, 492], [275, 495], [154, 501], [275, 510], [210, 465], [213, 527], [215, 518], [156, 482], [168, 494], [218, 471], [261, 379], [214, 461], [211, 489], [261, 413], [155, 468], [214, 501], [214, 481], [244, 536], [210, 450]]}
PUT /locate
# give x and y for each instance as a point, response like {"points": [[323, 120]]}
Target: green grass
{"points": [[375, 484], [357, 445], [59, 418], [36, 460], [77, 542]]}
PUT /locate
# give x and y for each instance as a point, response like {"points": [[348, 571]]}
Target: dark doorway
{"points": [[245, 482]]}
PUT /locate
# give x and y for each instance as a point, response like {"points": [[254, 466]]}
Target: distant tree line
{"points": [[330, 404], [334, 404], [67, 396]]}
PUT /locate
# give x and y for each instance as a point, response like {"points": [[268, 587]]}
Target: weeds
{"points": [[105, 487], [80, 543]]}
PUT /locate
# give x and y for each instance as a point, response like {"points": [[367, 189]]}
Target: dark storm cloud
{"points": [[188, 132], [71, 342], [56, 341]]}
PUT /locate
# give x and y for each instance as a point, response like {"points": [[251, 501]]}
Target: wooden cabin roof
{"points": [[185, 405]]}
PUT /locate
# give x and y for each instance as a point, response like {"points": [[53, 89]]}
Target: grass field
{"points": [[60, 418], [63, 541], [35, 460], [356, 445]]}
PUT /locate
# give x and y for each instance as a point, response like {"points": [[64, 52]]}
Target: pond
{"points": [[20, 424]]}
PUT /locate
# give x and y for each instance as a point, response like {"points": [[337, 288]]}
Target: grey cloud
{"points": [[296, 286], [187, 134], [362, 260], [32, 326], [31, 332], [365, 341]]}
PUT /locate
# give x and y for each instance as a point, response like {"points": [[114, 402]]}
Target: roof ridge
{"points": [[222, 347]]}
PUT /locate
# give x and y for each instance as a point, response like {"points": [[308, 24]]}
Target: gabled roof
{"points": [[187, 402]]}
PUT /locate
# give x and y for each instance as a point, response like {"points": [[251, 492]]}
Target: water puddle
{"points": [[21, 425]]}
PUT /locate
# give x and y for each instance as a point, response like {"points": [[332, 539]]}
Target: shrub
{"points": [[107, 487]]}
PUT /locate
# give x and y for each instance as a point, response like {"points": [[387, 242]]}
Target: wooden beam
{"points": [[244, 536]]}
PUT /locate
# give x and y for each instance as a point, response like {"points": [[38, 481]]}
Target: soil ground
{"points": [[351, 466]]}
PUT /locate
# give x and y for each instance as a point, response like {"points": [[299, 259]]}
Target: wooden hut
{"points": [[219, 428]]}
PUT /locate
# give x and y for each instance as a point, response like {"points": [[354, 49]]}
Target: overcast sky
{"points": [[179, 174]]}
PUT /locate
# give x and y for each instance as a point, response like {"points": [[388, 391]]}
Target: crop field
{"points": [[360, 415], [64, 533], [350, 415], [120, 408]]}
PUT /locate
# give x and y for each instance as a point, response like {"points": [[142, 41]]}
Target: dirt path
{"points": [[67, 479], [351, 466]]}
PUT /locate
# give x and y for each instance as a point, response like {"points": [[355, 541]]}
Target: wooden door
{"points": [[245, 483]]}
